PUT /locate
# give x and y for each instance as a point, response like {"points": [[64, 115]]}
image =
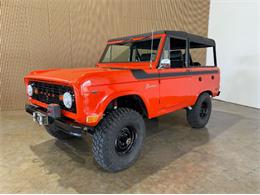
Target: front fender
{"points": [[96, 101]]}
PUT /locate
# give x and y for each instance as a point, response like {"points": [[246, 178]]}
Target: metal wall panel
{"points": [[43, 34]]}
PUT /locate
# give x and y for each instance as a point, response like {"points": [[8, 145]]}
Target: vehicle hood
{"points": [[95, 76]]}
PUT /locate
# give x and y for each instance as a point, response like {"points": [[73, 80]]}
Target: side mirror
{"points": [[165, 63]]}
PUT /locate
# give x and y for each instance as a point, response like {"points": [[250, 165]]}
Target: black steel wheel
{"points": [[199, 115], [125, 140], [204, 109]]}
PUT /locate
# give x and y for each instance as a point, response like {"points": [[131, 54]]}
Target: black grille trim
{"points": [[49, 93]]}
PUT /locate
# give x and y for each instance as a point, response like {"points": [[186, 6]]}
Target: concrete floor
{"points": [[222, 158]]}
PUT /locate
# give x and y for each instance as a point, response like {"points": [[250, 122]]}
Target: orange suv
{"points": [[137, 77]]}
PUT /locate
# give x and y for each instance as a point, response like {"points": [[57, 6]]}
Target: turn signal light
{"points": [[61, 97], [92, 119]]}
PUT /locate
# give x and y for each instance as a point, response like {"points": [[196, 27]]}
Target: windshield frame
{"points": [[161, 38]]}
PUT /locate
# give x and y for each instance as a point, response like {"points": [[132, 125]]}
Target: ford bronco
{"points": [[137, 77]]}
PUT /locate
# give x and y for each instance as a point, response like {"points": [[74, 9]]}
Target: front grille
{"points": [[50, 94]]}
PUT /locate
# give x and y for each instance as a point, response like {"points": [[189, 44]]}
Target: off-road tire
{"points": [[55, 132], [195, 116], [106, 135]]}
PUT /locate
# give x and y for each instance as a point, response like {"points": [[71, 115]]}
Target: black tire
{"points": [[199, 115], [118, 139], [55, 132]]}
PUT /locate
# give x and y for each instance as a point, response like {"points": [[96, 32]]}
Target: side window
{"points": [[201, 55], [173, 53], [177, 52], [142, 50]]}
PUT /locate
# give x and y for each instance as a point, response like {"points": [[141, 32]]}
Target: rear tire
{"points": [[55, 132], [118, 139], [199, 115]]}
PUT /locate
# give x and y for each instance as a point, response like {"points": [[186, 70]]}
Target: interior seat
{"points": [[147, 56], [191, 62], [176, 59]]}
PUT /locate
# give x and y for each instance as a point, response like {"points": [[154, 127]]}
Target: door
{"points": [[175, 79]]}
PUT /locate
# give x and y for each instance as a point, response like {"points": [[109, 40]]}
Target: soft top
{"points": [[196, 40]]}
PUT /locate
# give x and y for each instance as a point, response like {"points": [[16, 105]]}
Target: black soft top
{"points": [[196, 40]]}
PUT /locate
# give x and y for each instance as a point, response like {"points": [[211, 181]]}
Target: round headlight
{"points": [[67, 100], [30, 90]]}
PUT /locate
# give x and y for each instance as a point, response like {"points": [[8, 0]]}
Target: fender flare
{"points": [[108, 99]]}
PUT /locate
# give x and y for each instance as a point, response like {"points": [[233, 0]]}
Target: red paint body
{"points": [[95, 88]]}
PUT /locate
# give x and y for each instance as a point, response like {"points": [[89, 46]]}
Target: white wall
{"points": [[235, 26]]}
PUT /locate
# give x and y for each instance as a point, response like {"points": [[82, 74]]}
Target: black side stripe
{"points": [[141, 74]]}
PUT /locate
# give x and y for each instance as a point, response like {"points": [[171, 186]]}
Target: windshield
{"points": [[131, 51]]}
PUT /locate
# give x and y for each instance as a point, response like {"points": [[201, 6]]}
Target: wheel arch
{"points": [[199, 94], [207, 91], [130, 100]]}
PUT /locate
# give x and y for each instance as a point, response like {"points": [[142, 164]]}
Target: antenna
{"points": [[151, 52]]}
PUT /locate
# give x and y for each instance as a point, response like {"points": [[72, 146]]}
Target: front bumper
{"points": [[64, 124]]}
